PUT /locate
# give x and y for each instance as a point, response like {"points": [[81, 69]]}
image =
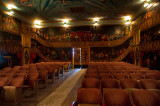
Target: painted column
{"points": [[26, 43]]}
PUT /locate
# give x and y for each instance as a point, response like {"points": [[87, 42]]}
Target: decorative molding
{"points": [[76, 44]]}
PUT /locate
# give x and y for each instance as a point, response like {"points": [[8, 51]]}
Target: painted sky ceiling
{"points": [[77, 9]]}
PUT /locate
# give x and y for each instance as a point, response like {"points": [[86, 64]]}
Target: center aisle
{"points": [[57, 97]]}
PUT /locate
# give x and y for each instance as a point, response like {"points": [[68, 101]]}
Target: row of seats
{"points": [[136, 76], [29, 75], [123, 83], [134, 85], [116, 97]]}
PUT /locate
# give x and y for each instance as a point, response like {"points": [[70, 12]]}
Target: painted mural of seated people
{"points": [[53, 55], [95, 37], [66, 57], [91, 37], [103, 37], [154, 62], [148, 61], [76, 38], [106, 56], [101, 55], [67, 38]]}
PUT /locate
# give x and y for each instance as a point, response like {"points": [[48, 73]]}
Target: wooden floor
{"points": [[43, 93]]}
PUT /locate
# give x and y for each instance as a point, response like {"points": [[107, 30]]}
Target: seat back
{"points": [[145, 98], [90, 83], [116, 97], [89, 96]]}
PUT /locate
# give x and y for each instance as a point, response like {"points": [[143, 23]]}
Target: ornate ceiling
{"points": [[51, 10]]}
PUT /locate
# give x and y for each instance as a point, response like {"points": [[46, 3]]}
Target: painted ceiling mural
{"points": [[76, 9]]}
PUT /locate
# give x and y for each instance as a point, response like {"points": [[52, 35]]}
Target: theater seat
{"points": [[149, 84], [105, 76], [90, 83], [136, 76], [91, 75], [121, 76], [91, 71], [3, 81], [129, 83], [89, 96], [116, 97], [145, 98], [109, 83], [17, 82], [153, 76]]}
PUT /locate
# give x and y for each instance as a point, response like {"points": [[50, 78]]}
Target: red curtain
{"points": [[19, 55], [32, 57], [141, 54], [159, 53], [132, 57]]}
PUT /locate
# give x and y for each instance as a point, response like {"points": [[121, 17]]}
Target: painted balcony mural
{"points": [[9, 24], [53, 53], [108, 53]]}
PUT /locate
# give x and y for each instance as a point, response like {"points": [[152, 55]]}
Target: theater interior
{"points": [[79, 52]]}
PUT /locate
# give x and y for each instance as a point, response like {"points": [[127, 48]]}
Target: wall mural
{"points": [[152, 34], [10, 45], [150, 59], [108, 53], [54, 53], [9, 24], [103, 33]]}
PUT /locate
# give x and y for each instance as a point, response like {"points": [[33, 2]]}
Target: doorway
{"points": [[77, 57]]}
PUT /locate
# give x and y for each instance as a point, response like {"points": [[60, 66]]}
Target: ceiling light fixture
{"points": [[65, 22], [37, 26], [127, 23], [37, 22], [11, 6], [10, 13], [96, 19], [146, 4], [127, 18], [96, 23]]}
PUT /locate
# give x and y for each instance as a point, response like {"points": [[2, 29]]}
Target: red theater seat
{"points": [[18, 82], [109, 83], [90, 83], [153, 76], [129, 83], [149, 84], [136, 76], [116, 97], [89, 96], [145, 98], [91, 75], [105, 76], [3, 81], [121, 76]]}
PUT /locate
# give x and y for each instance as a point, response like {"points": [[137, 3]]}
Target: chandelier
{"points": [[64, 2]]}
